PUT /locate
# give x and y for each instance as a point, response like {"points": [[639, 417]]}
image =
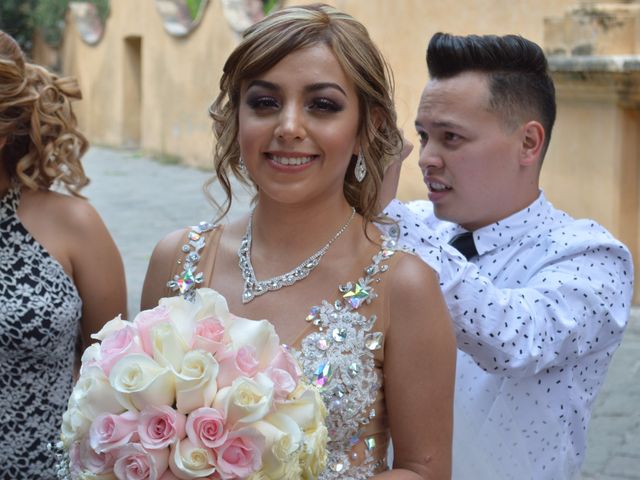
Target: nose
{"points": [[430, 157], [291, 123]]}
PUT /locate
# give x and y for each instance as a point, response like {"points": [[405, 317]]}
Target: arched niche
{"points": [[241, 14], [88, 21], [180, 17]]}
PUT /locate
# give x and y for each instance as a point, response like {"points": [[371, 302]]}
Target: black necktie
{"points": [[463, 242]]}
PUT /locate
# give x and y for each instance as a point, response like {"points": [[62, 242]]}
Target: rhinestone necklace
{"points": [[254, 288]]}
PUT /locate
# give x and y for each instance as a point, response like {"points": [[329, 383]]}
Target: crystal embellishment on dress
{"points": [[187, 281], [356, 295], [254, 287], [339, 356]]}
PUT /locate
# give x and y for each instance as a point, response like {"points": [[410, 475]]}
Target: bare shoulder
{"points": [[412, 279], [70, 213], [160, 267]]}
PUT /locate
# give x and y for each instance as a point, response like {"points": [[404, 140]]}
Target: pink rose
{"points": [[241, 454], [84, 458], [209, 335], [135, 463], [239, 363], [285, 373], [160, 426], [205, 426], [146, 320], [117, 345], [109, 431]]}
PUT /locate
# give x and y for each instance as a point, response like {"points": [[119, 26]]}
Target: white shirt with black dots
{"points": [[537, 315]]}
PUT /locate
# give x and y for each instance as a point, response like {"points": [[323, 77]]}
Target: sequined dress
{"points": [[39, 316], [341, 350]]}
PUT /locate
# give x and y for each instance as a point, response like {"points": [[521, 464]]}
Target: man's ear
{"points": [[533, 137]]}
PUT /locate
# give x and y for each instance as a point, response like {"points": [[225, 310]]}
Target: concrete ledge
{"points": [[594, 63]]}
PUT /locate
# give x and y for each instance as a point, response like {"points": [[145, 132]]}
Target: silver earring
{"points": [[361, 168], [243, 167]]}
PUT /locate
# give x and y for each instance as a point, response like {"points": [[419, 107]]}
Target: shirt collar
{"points": [[514, 226]]}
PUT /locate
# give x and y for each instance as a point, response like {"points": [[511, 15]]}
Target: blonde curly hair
{"points": [[42, 145], [266, 43]]}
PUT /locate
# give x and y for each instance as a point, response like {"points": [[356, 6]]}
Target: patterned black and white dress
{"points": [[40, 311]]}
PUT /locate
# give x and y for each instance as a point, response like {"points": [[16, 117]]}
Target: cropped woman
{"points": [[305, 113], [61, 276]]}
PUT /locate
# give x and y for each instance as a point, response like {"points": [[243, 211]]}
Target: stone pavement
{"points": [[142, 200]]}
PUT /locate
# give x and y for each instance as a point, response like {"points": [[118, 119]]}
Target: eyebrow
{"points": [[309, 88], [444, 125]]}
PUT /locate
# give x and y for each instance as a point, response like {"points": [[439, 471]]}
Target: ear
{"points": [[533, 137]]}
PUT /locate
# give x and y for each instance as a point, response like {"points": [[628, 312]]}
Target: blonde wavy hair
{"points": [[42, 144], [266, 43]]}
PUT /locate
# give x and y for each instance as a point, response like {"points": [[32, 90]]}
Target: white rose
{"points": [[306, 409], [283, 438], [110, 327], [75, 425], [188, 460], [211, 303], [93, 394], [313, 457], [196, 382], [90, 357], [141, 381], [246, 400], [169, 347], [259, 334]]}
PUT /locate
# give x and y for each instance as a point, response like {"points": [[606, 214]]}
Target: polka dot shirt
{"points": [[537, 316]]}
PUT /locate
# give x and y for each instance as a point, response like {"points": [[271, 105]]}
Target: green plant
{"points": [[268, 5], [194, 8], [48, 16], [16, 18]]}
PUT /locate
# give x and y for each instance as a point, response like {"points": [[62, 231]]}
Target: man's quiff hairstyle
{"points": [[270, 40], [519, 82]]}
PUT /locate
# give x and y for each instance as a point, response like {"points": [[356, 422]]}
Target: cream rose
{"points": [[140, 381], [94, 395], [111, 327], [168, 345], [306, 409], [189, 460], [313, 456], [196, 383], [246, 400], [75, 425], [283, 439], [259, 334]]}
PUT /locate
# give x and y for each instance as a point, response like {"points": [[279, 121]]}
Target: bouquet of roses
{"points": [[188, 390]]}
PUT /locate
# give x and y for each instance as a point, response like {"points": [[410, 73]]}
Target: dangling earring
{"points": [[243, 167], [361, 168]]}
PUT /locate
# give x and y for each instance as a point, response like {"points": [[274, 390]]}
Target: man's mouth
{"points": [[437, 186]]}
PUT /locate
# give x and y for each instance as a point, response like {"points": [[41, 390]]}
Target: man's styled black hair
{"points": [[519, 80]]}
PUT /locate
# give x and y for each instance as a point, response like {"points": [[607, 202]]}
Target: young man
{"points": [[539, 300]]}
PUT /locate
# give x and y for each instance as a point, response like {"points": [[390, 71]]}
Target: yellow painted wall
{"points": [[590, 169]]}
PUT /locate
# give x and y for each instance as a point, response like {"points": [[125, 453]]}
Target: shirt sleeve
{"points": [[571, 303]]}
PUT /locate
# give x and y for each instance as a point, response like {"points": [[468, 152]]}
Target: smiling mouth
{"points": [[295, 161], [437, 186]]}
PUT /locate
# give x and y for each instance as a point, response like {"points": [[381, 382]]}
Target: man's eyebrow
{"points": [[441, 124]]}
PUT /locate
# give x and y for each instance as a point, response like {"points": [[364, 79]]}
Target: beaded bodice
{"points": [[341, 352]]}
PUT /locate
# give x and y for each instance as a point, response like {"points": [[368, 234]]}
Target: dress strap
{"points": [[189, 264], [10, 201]]}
